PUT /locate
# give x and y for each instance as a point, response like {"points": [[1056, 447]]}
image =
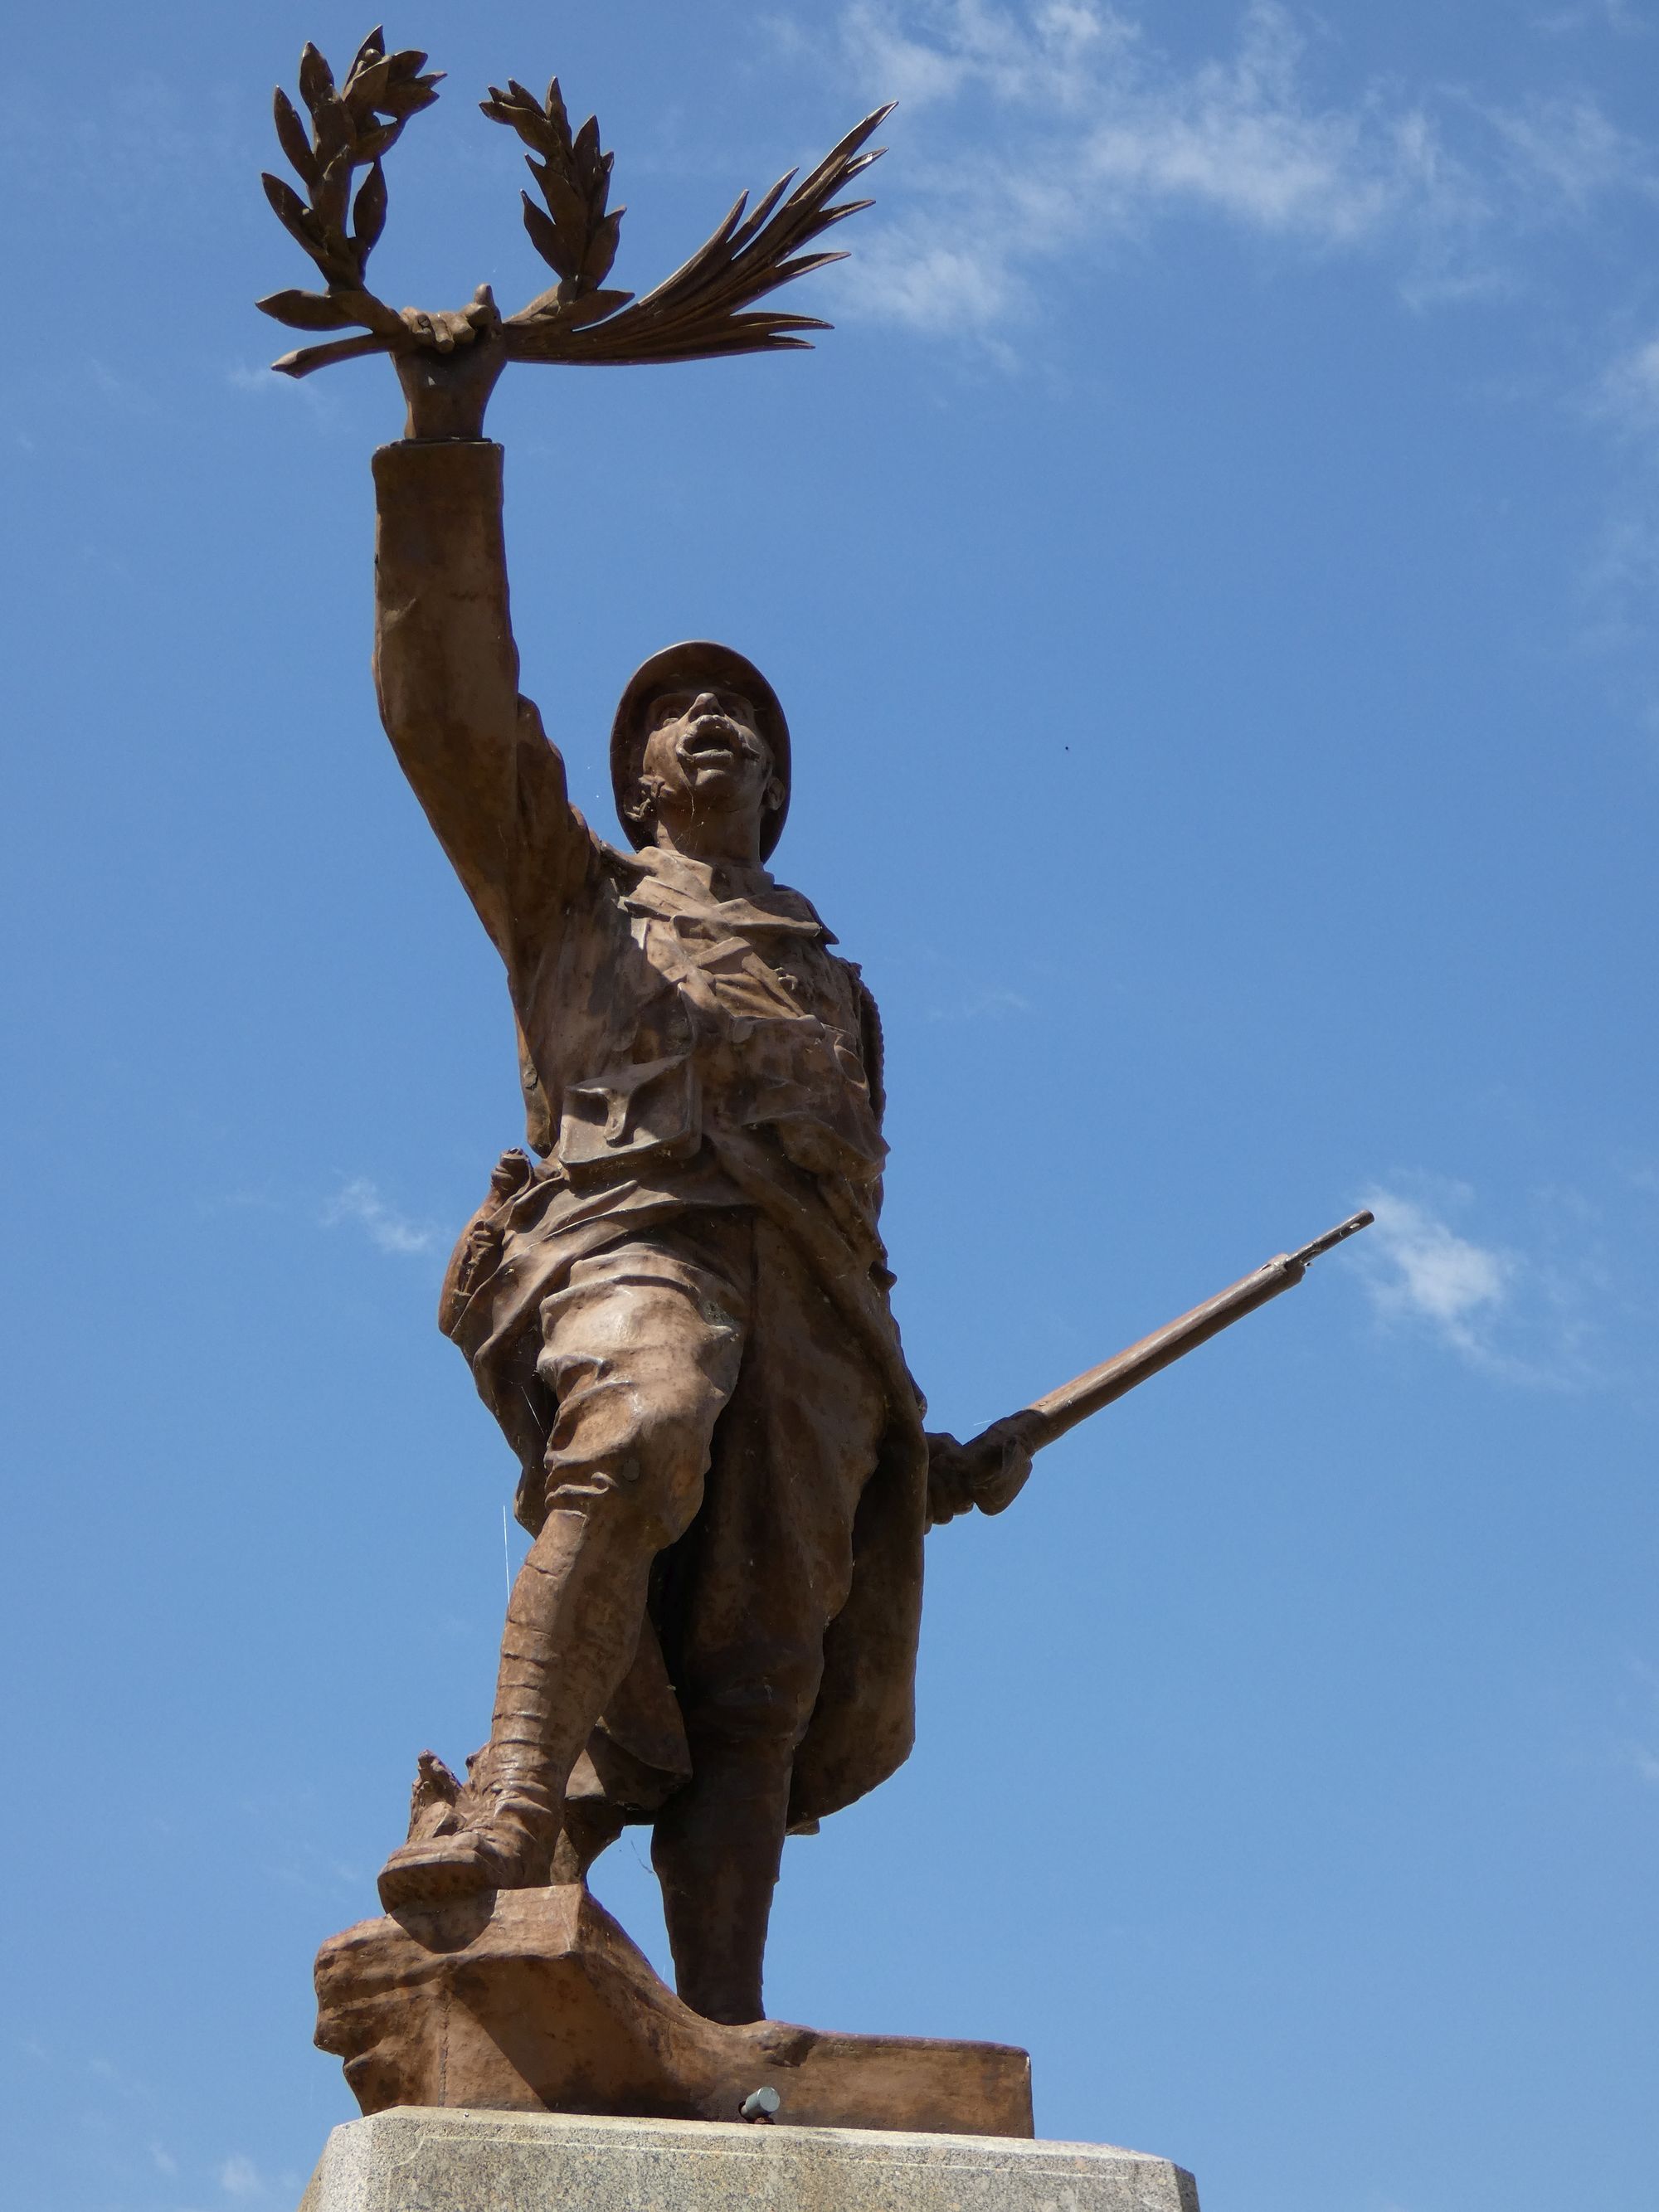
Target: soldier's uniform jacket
{"points": [[687, 1039]]}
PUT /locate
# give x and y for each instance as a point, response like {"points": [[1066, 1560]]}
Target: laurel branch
{"points": [[577, 236], [352, 127]]}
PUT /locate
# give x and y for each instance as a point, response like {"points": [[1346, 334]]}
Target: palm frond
{"points": [[699, 313]]}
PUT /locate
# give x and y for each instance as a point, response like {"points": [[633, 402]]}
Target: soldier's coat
{"points": [[688, 1041]]}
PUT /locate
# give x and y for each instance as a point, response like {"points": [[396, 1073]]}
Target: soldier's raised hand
{"points": [[448, 366]]}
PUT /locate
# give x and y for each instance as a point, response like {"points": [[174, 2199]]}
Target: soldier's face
{"points": [[706, 757]]}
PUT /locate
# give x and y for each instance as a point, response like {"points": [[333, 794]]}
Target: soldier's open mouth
{"points": [[712, 741]]}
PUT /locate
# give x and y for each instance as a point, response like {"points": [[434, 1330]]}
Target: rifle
{"points": [[1051, 1416]]}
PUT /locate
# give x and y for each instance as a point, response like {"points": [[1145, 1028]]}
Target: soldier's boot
{"points": [[572, 1623], [716, 1849]]}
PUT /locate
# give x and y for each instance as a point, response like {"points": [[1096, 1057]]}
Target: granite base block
{"points": [[417, 2161]]}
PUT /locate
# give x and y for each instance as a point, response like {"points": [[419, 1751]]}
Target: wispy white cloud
{"points": [[360, 1203], [1422, 1269], [1629, 394], [1639, 1755], [1531, 1318], [1049, 126], [135, 155], [1620, 583], [259, 381], [1618, 578], [1565, 152], [1617, 15], [243, 376], [1039, 55], [240, 2177], [115, 2080]]}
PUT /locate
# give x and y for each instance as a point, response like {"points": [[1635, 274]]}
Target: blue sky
{"points": [[1211, 570]]}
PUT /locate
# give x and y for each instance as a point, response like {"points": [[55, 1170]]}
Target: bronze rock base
{"points": [[533, 2000]]}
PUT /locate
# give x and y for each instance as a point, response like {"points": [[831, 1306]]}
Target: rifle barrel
{"points": [[1050, 1416]]}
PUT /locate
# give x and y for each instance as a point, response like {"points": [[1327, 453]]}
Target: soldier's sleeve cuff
{"points": [[435, 462]]}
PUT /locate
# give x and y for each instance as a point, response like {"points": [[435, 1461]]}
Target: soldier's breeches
{"points": [[641, 1351], [701, 1377]]}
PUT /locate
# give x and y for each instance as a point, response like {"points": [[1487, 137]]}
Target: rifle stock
{"points": [[1049, 1417]]}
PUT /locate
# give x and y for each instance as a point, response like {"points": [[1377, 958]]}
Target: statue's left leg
{"points": [[717, 1845], [770, 1567]]}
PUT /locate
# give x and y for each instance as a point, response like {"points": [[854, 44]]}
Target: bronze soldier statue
{"points": [[676, 1301]]}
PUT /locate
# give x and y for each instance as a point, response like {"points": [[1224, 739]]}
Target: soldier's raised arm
{"points": [[445, 668]]}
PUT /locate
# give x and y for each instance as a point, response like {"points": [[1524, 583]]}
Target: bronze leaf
{"points": [[306, 311], [293, 214], [368, 212], [549, 240], [372, 46], [316, 78], [293, 137]]}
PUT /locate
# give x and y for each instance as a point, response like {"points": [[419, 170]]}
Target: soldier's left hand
{"points": [[989, 1473]]}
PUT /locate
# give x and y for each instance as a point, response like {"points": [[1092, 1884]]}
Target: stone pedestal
{"points": [[460, 2161], [534, 2000]]}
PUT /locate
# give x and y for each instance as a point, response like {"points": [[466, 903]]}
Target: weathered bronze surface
{"points": [[675, 1297]]}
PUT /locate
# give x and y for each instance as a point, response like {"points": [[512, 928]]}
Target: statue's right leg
{"points": [[641, 1351], [775, 1565]]}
